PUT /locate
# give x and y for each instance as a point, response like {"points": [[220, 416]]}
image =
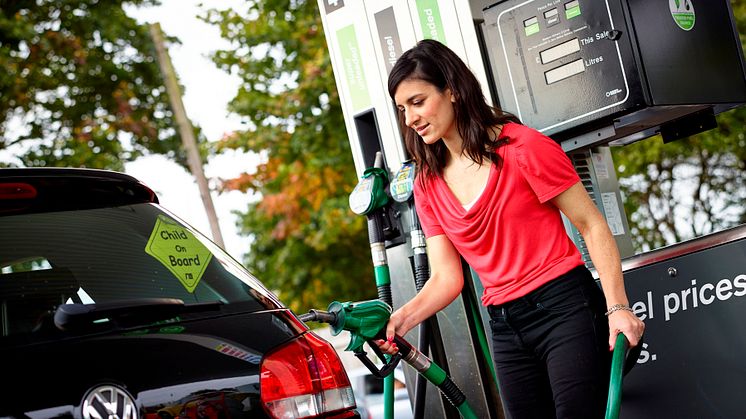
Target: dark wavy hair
{"points": [[434, 63]]}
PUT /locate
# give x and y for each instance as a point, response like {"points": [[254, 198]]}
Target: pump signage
{"points": [[332, 5], [691, 364], [432, 25], [353, 68], [388, 35], [682, 12]]}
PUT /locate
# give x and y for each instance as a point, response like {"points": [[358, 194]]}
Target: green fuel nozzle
{"points": [[366, 321], [370, 193]]}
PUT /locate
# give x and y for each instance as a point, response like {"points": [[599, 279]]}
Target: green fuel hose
{"points": [[618, 358], [434, 374]]}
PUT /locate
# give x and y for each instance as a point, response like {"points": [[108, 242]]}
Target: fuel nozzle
{"points": [[370, 193], [366, 321], [402, 185], [314, 315]]}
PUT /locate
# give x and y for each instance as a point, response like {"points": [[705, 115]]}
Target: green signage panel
{"points": [[432, 25], [179, 251], [353, 68]]}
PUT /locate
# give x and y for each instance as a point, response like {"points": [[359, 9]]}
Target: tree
{"points": [[690, 187], [687, 188], [306, 243], [79, 85]]}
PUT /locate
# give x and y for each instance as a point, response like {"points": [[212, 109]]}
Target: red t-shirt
{"points": [[512, 236]]}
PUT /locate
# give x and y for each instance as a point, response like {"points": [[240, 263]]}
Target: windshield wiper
{"points": [[125, 313]]}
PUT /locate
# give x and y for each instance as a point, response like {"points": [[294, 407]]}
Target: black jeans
{"points": [[551, 350]]}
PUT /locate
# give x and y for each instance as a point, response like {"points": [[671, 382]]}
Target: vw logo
{"points": [[109, 402]]}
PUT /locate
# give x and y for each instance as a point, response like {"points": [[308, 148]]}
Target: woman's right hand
{"points": [[444, 285], [395, 326]]}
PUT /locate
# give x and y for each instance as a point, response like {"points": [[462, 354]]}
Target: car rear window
{"points": [[111, 254]]}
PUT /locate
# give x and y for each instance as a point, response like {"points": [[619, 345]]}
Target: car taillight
{"points": [[17, 191], [304, 379]]}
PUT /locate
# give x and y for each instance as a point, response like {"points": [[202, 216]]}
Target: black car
{"points": [[111, 307]]}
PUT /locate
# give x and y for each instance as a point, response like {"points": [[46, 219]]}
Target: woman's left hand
{"points": [[625, 322]]}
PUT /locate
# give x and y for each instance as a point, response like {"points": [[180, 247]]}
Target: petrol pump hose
{"points": [[366, 322], [623, 359]]}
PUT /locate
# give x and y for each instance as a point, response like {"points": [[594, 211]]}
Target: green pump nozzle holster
{"points": [[370, 198], [401, 186], [366, 321], [370, 193]]}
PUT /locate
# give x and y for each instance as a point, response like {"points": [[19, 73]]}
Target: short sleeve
{"points": [[544, 165], [430, 224]]}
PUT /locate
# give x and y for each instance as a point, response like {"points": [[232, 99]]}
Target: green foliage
{"points": [[306, 243], [687, 188], [80, 86]]}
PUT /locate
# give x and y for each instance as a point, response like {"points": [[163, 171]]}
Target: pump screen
{"points": [[562, 72], [559, 51]]}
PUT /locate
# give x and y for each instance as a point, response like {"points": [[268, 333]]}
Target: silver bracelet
{"points": [[617, 307]]}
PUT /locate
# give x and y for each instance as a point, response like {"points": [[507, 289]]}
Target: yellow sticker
{"points": [[179, 251]]}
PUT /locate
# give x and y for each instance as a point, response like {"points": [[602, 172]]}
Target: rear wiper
{"points": [[125, 313]]}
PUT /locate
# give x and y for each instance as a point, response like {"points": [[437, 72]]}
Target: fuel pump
{"points": [[590, 74]]}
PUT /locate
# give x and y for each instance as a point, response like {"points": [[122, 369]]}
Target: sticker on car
{"points": [[179, 251]]}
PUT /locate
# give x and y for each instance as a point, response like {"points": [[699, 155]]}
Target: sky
{"points": [[207, 90]]}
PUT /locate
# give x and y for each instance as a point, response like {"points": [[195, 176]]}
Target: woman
{"points": [[491, 190]]}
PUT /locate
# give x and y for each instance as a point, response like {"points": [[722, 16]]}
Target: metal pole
{"points": [[186, 131]]}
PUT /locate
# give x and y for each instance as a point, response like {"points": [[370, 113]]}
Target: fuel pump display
{"points": [[572, 67], [545, 49]]}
